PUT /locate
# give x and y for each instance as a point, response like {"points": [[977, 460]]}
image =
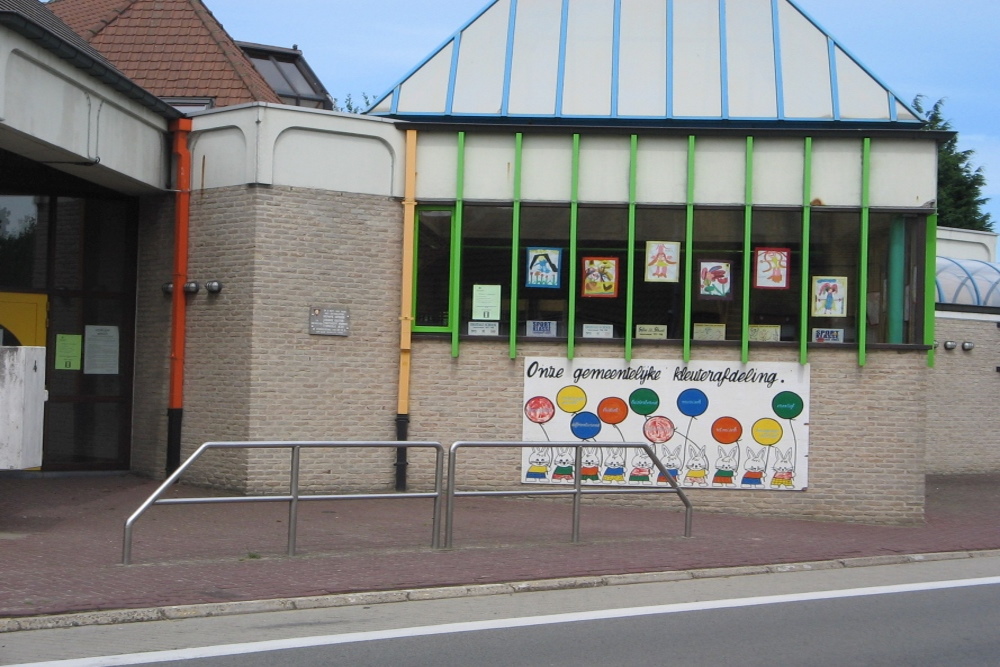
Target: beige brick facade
{"points": [[963, 407]]}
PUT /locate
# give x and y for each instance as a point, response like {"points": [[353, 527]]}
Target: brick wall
{"points": [[867, 428], [963, 406]]}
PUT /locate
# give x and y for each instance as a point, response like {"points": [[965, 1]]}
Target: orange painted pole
{"points": [[181, 129], [406, 306]]}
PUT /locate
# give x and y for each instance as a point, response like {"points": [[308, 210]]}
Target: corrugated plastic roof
{"points": [[644, 60], [174, 48]]}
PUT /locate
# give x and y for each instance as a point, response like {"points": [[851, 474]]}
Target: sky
{"points": [[937, 49]]}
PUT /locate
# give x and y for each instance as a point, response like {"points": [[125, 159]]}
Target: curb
{"points": [[180, 612]]}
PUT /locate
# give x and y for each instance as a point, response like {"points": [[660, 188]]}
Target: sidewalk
{"points": [[61, 543]]}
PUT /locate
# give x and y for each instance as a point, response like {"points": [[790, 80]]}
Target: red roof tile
{"points": [[173, 48]]}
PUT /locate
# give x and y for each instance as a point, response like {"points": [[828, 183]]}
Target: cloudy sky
{"points": [[917, 47]]}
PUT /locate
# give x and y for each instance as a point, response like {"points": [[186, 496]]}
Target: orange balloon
{"points": [[612, 410], [727, 430]]}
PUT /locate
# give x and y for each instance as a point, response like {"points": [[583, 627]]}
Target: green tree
{"points": [[960, 201]]}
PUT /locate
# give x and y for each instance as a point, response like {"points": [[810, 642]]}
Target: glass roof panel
{"points": [[967, 282]]}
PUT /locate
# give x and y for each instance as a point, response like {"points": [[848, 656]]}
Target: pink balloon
{"points": [[539, 409]]}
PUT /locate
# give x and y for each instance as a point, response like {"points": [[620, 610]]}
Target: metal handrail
{"points": [[293, 496], [577, 491]]}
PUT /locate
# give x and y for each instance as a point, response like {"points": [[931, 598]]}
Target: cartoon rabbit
{"points": [[697, 467], [642, 468], [671, 460], [539, 461], [725, 467], [590, 465], [784, 471], [565, 458], [753, 477], [614, 465]]}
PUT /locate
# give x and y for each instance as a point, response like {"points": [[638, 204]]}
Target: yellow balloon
{"points": [[767, 432], [571, 398]]}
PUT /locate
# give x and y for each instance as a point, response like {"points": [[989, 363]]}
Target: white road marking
{"points": [[498, 624]]}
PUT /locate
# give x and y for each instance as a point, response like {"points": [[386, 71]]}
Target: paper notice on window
{"points": [[100, 350]]}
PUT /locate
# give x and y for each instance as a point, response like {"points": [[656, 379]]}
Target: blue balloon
{"points": [[585, 425], [692, 402]]}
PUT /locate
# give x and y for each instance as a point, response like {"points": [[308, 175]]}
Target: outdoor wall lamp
{"points": [[968, 345], [168, 288], [213, 286], [950, 345], [192, 287]]}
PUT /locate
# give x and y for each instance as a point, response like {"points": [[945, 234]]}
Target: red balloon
{"points": [[539, 409], [612, 410], [658, 429], [727, 430]]}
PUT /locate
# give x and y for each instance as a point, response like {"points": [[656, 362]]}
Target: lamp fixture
{"points": [[213, 286], [192, 287], [950, 345], [968, 345], [168, 288]]}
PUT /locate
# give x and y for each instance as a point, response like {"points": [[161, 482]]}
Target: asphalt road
{"points": [[932, 613]]}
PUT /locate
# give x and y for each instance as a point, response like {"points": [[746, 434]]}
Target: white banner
{"points": [[713, 424]]}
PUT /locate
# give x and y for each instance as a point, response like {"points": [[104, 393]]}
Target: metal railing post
{"points": [[293, 503], [577, 495]]}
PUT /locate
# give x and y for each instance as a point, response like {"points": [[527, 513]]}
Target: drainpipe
{"points": [[181, 128], [406, 307]]}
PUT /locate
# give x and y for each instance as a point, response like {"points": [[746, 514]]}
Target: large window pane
{"points": [[433, 267], [659, 273], [486, 250], [544, 285], [895, 278], [23, 242], [718, 281], [833, 267], [776, 275], [602, 263]]}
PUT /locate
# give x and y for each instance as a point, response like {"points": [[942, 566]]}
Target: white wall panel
{"points": [[752, 89], [219, 158], [546, 170], [805, 66], [904, 172], [778, 171], [482, 59], [861, 96], [437, 165], [312, 158], [535, 65], [837, 172], [720, 170], [427, 89], [697, 70], [589, 39], [489, 166], [661, 166], [642, 69], [604, 169]]}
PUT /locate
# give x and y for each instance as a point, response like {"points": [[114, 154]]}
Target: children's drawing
{"points": [[600, 277], [716, 280], [773, 266], [543, 267], [663, 261], [829, 295]]}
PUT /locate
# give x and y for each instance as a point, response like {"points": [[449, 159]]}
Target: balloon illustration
{"points": [[571, 399], [658, 429], [612, 410], [539, 409], [787, 405], [585, 425], [767, 431], [727, 430], [644, 401], [692, 402]]}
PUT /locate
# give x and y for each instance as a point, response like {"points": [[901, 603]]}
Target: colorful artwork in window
{"points": [[600, 277], [829, 294], [716, 280], [543, 267], [773, 266], [662, 261]]}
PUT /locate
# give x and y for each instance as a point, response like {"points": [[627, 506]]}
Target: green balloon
{"points": [[644, 401], [787, 405]]}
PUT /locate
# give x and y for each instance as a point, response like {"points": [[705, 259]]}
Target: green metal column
{"points": [[930, 292], [630, 280], [689, 249], [455, 284], [806, 300], [574, 270], [515, 244], [747, 252], [862, 292]]}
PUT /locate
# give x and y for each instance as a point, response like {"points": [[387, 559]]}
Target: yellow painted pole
{"points": [[406, 292]]}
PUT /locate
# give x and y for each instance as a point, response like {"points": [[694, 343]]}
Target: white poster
{"points": [[100, 350], [715, 425]]}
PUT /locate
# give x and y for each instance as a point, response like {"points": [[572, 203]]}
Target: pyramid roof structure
{"points": [[173, 48], [653, 61]]}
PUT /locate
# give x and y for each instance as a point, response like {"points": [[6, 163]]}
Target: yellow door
{"points": [[22, 319]]}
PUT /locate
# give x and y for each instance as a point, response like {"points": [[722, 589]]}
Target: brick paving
{"points": [[61, 543]]}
